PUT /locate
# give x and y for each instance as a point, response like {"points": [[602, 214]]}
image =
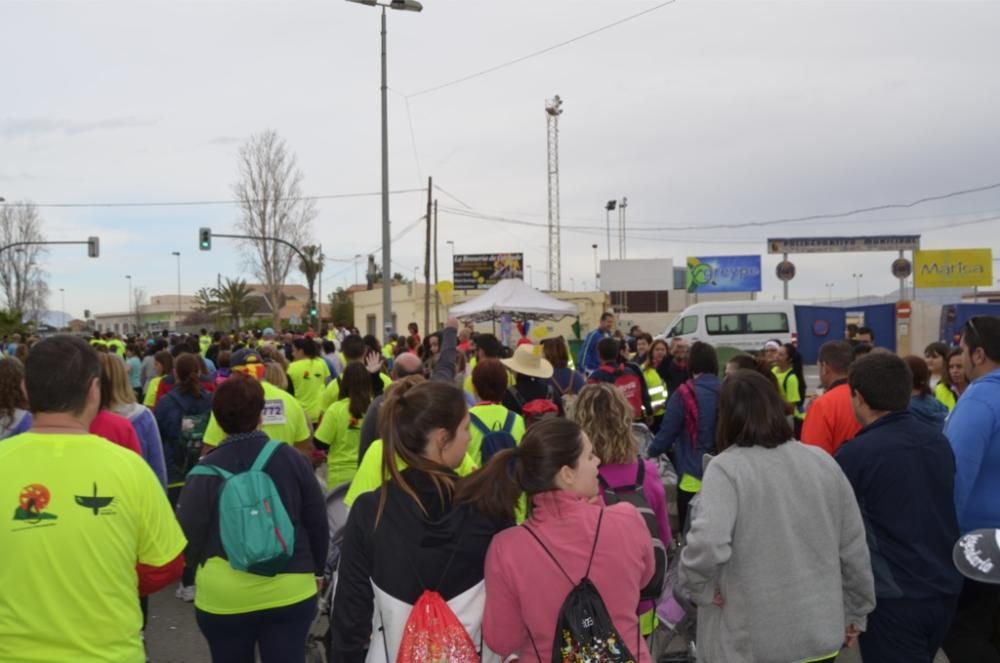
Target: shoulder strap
{"points": [[549, 553], [209, 470], [640, 474], [517, 396], [593, 550], [478, 423], [265, 455], [508, 425]]}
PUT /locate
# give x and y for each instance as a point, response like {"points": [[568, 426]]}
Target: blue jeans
{"points": [[279, 633], [907, 630]]}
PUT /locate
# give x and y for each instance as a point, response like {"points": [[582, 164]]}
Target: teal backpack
{"points": [[257, 534]]}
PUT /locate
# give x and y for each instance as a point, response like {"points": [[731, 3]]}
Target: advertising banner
{"points": [[723, 274], [953, 268], [843, 244], [481, 271]]}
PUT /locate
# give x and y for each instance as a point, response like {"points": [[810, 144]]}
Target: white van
{"points": [[746, 325]]}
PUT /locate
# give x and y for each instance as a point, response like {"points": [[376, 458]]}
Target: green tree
{"points": [[341, 308], [234, 300]]}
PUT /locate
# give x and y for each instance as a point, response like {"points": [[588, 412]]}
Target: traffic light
{"points": [[205, 239], [312, 309], [93, 247]]}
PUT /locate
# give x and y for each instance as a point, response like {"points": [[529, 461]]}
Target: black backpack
{"points": [[584, 630], [495, 439], [634, 496]]}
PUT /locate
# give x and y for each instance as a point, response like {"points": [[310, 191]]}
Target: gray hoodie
{"points": [[779, 533]]}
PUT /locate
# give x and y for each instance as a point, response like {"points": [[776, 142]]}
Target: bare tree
{"points": [[138, 298], [269, 189], [22, 280]]}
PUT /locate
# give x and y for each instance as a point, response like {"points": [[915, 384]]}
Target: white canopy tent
{"points": [[514, 297]]}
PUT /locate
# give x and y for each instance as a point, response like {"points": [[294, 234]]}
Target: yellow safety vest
{"points": [[657, 391]]}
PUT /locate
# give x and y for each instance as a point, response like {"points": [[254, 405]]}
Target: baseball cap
{"points": [[268, 331], [977, 555], [247, 361]]}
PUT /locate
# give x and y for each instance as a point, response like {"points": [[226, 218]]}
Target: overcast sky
{"points": [[699, 112]]}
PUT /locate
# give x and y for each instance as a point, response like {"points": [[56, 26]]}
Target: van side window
{"points": [[723, 324], [686, 325], [767, 323]]}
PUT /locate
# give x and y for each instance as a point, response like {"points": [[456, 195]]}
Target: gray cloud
{"points": [[48, 125]]}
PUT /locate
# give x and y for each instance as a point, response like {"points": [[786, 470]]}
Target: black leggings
{"points": [[279, 633]]}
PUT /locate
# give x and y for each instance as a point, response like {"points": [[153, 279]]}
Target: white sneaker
{"points": [[185, 593]]}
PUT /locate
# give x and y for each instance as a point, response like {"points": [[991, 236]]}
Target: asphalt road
{"points": [[172, 636]]}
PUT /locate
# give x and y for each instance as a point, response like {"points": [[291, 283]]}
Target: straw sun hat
{"points": [[527, 360]]}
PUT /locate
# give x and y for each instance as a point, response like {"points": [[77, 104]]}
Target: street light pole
{"points": [[857, 284], [829, 291], [451, 245], [178, 254], [62, 291], [129, 307], [597, 272]]}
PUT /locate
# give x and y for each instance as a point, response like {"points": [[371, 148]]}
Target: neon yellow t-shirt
{"points": [[342, 432], [284, 419], [788, 386], [204, 342], [493, 416], [331, 394], [222, 590], [149, 400], [369, 475], [117, 346], [77, 514], [308, 378]]}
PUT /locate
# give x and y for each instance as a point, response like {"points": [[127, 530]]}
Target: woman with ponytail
{"points": [[182, 416], [568, 528], [408, 536]]}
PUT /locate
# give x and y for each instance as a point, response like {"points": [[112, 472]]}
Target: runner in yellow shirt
{"points": [[89, 526], [308, 374], [340, 429], [283, 418]]}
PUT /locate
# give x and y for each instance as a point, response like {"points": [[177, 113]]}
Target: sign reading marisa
{"points": [[723, 274], [953, 268], [481, 271], [843, 244]]}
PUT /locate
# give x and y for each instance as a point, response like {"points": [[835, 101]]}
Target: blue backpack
{"points": [[257, 534], [495, 440]]}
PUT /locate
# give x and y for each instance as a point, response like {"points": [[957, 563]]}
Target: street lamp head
{"points": [[370, 3], [406, 5], [175, 253]]}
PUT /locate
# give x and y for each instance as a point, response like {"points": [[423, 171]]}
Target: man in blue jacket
{"points": [[903, 474], [589, 360], [973, 429], [688, 425]]}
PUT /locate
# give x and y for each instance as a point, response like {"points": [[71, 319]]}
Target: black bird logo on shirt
{"points": [[93, 502]]}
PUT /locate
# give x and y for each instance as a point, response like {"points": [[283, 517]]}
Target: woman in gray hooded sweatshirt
{"points": [[776, 558]]}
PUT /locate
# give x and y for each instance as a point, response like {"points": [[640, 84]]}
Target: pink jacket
{"points": [[525, 590]]}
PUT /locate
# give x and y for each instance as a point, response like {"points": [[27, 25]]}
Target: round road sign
{"points": [[902, 268], [785, 270]]}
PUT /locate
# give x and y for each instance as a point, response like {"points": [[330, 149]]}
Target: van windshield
{"points": [[686, 325]]}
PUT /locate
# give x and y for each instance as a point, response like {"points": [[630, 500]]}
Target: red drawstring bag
{"points": [[433, 634]]}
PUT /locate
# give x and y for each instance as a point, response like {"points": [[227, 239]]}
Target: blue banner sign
{"points": [[723, 274]]}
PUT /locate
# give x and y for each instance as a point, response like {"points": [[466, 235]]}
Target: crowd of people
{"points": [[534, 501]]}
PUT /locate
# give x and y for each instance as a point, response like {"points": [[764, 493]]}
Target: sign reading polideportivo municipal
{"points": [[723, 274], [953, 268], [481, 271], [843, 244]]}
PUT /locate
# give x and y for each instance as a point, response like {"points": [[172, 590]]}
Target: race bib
{"points": [[274, 412]]}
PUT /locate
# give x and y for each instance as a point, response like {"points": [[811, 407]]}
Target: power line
{"points": [[543, 51], [744, 224], [193, 203]]}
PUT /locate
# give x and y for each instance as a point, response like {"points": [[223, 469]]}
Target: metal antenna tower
{"points": [[553, 109]]}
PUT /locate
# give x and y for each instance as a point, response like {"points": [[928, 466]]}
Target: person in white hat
{"points": [[532, 394]]}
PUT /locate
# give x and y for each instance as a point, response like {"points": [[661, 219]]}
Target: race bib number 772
{"points": [[274, 412]]}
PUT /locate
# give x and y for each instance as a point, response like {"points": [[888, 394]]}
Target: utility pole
{"points": [[621, 228], [553, 109], [608, 209], [427, 258], [437, 296]]}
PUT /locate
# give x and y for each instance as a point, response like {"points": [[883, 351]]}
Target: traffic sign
{"points": [[904, 310], [902, 268], [785, 270]]}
